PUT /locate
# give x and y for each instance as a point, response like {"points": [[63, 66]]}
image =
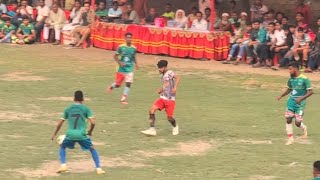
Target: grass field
{"points": [[231, 125]]}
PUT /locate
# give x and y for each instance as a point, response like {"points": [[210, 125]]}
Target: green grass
{"points": [[221, 111]]}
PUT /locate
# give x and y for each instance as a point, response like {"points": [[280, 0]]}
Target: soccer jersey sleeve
{"points": [[65, 114], [289, 84], [119, 50], [307, 84], [89, 113]]}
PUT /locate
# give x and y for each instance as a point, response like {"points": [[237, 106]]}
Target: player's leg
{"points": [[289, 115], [157, 105], [119, 79], [87, 145], [299, 123], [129, 80], [170, 106], [63, 154]]}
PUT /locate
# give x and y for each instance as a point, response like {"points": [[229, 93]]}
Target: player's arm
{"points": [[176, 84], [116, 57], [288, 91], [92, 125], [309, 92], [60, 123], [135, 61]]}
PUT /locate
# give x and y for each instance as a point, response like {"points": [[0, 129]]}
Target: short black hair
{"points": [[25, 17], [285, 17], [294, 65], [77, 1], [300, 29], [300, 13], [256, 21], [316, 165], [86, 3], [272, 24], [128, 34], [199, 13], [207, 9], [162, 63], [115, 3], [78, 96], [168, 4], [5, 19]]}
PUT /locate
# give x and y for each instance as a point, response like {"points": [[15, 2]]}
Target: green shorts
{"points": [[294, 109]]}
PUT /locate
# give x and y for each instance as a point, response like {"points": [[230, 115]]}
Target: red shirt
{"points": [[305, 10]]}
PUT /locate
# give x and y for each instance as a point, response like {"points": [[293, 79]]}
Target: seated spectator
{"points": [[55, 21], [258, 10], [7, 31], [279, 16], [193, 14], [169, 14], [43, 13], [101, 12], [26, 32], [301, 46], [279, 43], [82, 32], [151, 16], [131, 16], [268, 18], [75, 17], [225, 24], [3, 9], [285, 22], [115, 11], [10, 14], [305, 10], [199, 23], [314, 57], [25, 10], [243, 19], [234, 18], [286, 52], [181, 21]]}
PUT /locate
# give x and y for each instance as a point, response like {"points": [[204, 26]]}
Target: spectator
{"points": [[203, 4], [181, 21], [131, 15], [7, 31], [305, 11], [243, 20], [199, 23], [284, 22], [286, 52], [26, 32], [82, 32], [101, 11], [115, 11], [268, 18], [264, 54], [300, 21], [279, 16], [43, 13], [193, 14], [258, 10], [24, 10], [217, 20], [316, 170], [225, 24], [279, 42], [10, 14], [207, 16], [3, 9], [2, 23], [75, 17], [55, 21], [151, 16], [234, 18], [169, 14], [314, 57], [69, 4], [301, 46]]}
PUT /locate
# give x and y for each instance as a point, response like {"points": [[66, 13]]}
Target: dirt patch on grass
{"points": [[260, 177], [195, 148], [49, 168], [10, 115], [249, 141], [60, 99], [22, 76], [97, 143]]}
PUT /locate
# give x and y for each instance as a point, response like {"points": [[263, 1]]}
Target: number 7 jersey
{"points": [[77, 115]]}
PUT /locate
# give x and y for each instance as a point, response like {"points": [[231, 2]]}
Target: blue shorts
{"points": [[85, 144]]}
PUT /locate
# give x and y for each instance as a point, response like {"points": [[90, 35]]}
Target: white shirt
{"points": [[28, 10], [280, 37], [42, 12], [202, 25]]}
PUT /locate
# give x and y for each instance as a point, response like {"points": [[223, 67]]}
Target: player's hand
{"points": [[89, 133], [298, 100], [174, 90], [53, 137], [160, 90], [279, 98]]}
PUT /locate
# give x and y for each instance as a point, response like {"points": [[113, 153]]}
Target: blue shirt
{"points": [[114, 13], [3, 9]]}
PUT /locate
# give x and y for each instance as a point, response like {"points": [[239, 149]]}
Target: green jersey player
{"points": [[299, 88]]}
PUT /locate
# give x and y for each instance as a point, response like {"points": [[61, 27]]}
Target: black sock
{"points": [[172, 121], [152, 118]]}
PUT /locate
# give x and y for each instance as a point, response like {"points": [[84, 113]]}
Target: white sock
{"points": [[302, 126], [63, 165], [289, 130]]}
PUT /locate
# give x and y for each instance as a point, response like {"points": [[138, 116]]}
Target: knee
{"points": [[152, 110], [128, 84]]}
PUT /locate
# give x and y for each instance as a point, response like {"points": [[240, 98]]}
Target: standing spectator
{"points": [[43, 13], [181, 21], [207, 15], [316, 170], [115, 11], [268, 18], [243, 20], [151, 16], [75, 17], [203, 4], [3, 9], [101, 11], [234, 18], [193, 14], [225, 24], [279, 16], [25, 10], [7, 31], [301, 46], [82, 32], [131, 15], [26, 32], [258, 10], [55, 21], [169, 14], [284, 22], [305, 10], [199, 23]]}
